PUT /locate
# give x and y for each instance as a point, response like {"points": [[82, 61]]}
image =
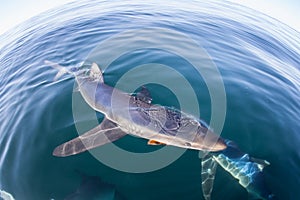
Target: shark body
{"points": [[135, 115]]}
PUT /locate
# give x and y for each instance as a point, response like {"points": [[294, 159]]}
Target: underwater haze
{"points": [[257, 56]]}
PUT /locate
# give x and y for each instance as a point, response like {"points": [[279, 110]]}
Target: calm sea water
{"points": [[257, 56]]}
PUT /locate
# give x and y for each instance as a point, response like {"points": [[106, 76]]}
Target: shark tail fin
{"points": [[61, 69]]}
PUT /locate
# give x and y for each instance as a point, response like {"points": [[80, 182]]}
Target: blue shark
{"points": [[136, 115]]}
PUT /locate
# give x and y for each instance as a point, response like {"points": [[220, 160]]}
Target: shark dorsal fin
{"points": [[96, 73], [144, 95]]}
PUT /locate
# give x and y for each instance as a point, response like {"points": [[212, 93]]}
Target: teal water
{"points": [[257, 56]]}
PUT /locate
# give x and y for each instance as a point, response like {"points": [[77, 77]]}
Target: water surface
{"points": [[257, 56]]}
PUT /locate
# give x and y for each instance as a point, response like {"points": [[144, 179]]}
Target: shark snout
{"points": [[213, 142], [219, 145]]}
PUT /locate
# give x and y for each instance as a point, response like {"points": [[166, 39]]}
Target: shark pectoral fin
{"points": [[209, 166], [154, 142], [102, 134]]}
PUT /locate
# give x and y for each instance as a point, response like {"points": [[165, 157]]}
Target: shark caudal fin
{"points": [[61, 69]]}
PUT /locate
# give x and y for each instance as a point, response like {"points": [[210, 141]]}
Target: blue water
{"points": [[257, 56]]}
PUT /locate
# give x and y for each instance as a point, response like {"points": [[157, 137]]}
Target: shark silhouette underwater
{"points": [[161, 125], [93, 188]]}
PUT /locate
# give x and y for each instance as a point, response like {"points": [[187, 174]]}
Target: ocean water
{"points": [[257, 58]]}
